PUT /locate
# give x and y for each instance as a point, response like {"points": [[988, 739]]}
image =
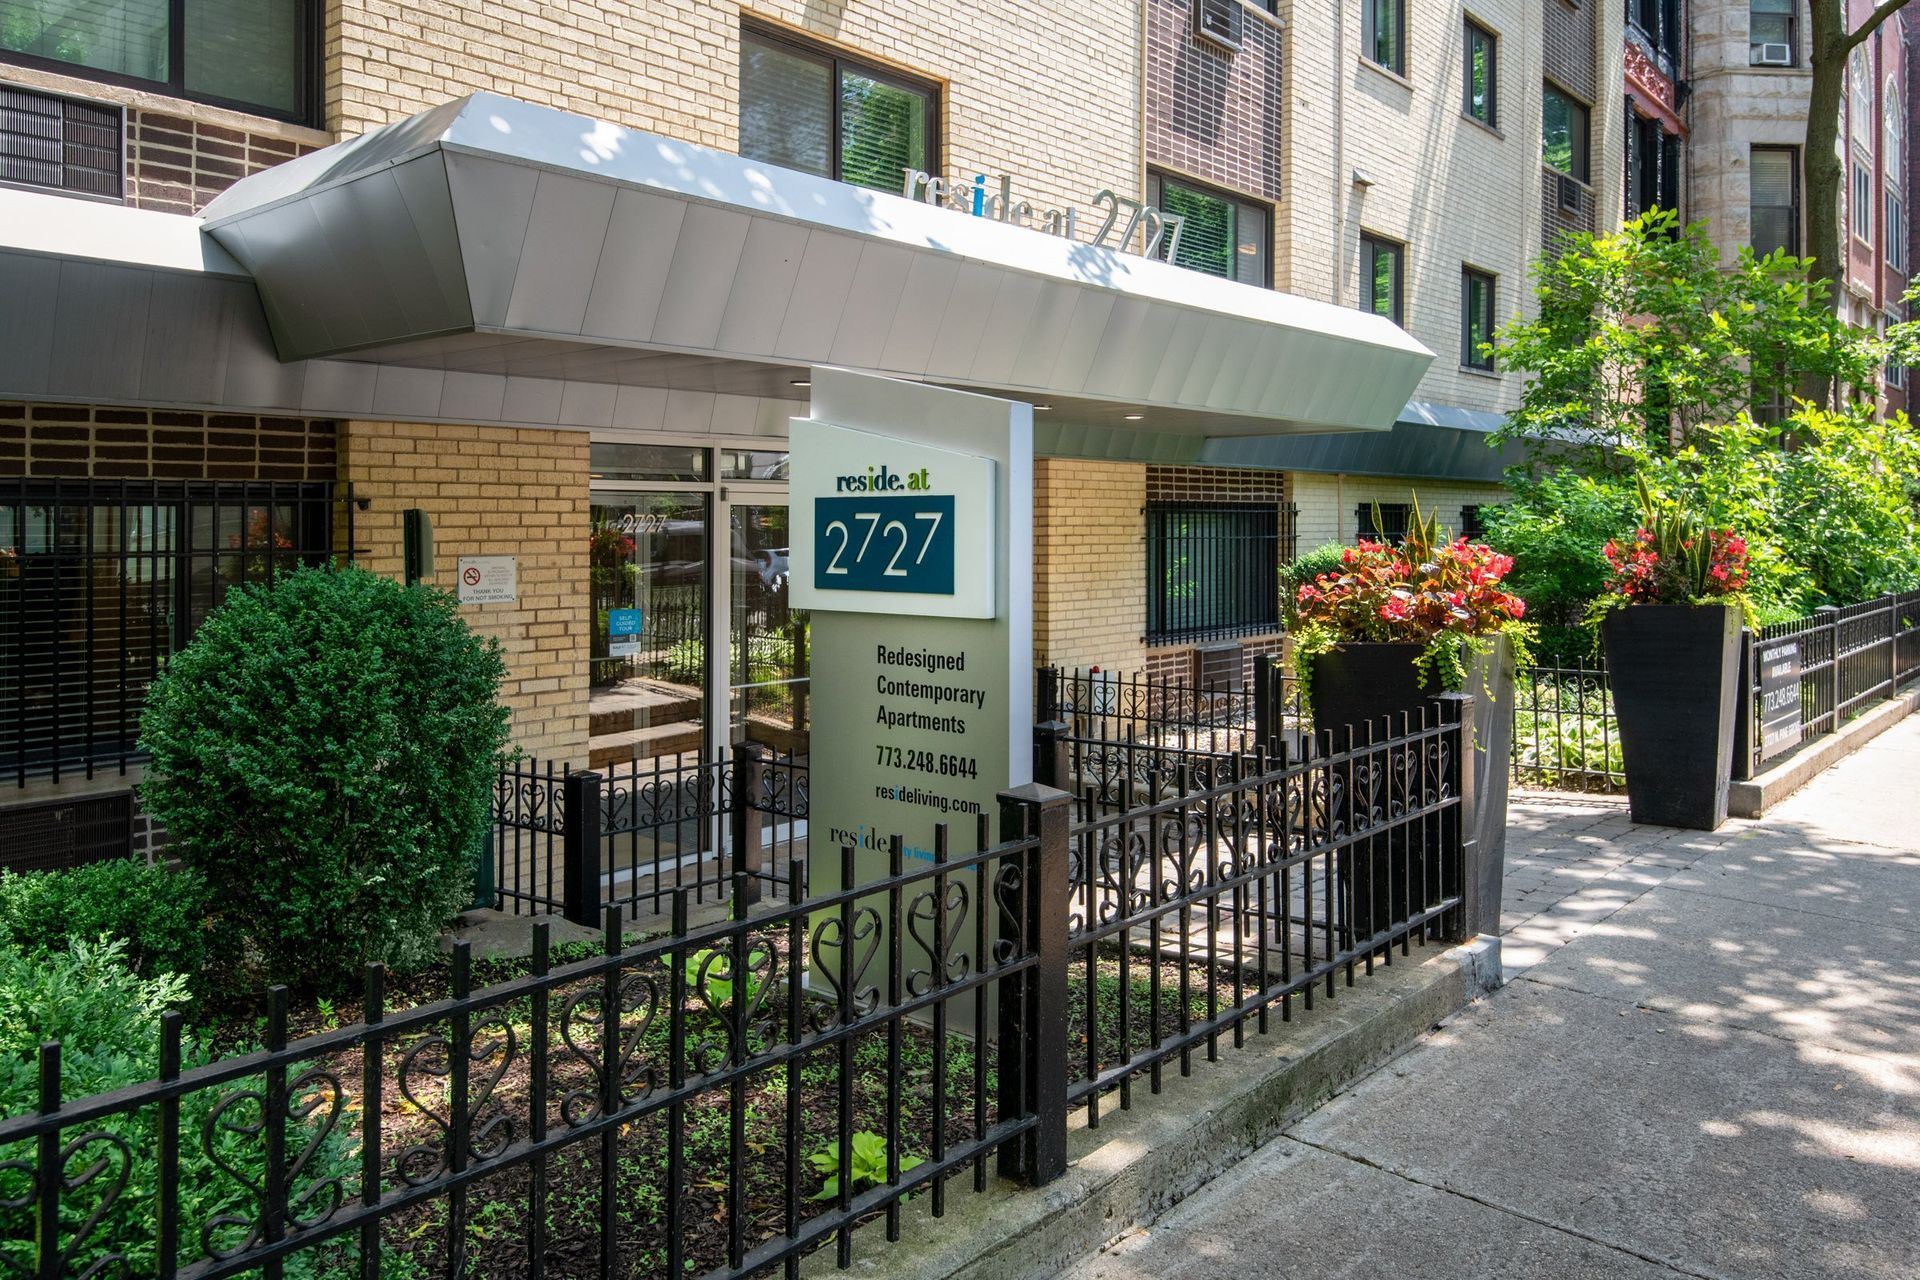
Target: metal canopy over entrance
{"points": [[490, 236]]}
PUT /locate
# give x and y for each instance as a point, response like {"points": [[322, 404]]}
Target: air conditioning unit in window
{"points": [[1773, 55], [1219, 21], [1569, 194]]}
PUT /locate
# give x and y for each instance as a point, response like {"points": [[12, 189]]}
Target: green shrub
{"points": [[324, 752], [1554, 529], [106, 1018], [160, 914], [1323, 559]]}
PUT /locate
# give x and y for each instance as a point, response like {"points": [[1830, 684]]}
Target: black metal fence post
{"points": [[1050, 766], [1829, 617], [1482, 869], [581, 846], [1267, 684], [1046, 694], [1033, 1005], [749, 781]]}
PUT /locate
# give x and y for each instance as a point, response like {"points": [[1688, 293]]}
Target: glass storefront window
{"points": [[670, 463], [648, 559], [753, 464], [767, 679]]}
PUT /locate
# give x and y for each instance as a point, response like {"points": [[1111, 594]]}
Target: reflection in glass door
{"points": [[767, 663], [648, 562]]}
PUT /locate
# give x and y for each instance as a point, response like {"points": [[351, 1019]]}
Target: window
{"points": [[1383, 33], [1893, 132], [1774, 200], [1382, 277], [1770, 34], [1896, 232], [1896, 377], [1213, 570], [1473, 521], [63, 143], [1220, 234], [1394, 519], [1659, 24], [1653, 165], [810, 109], [1862, 203], [1482, 71], [1476, 319], [1860, 98], [260, 56], [1563, 134], [103, 581]]}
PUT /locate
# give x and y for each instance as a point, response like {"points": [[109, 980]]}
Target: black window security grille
{"points": [[1482, 76], [263, 57], [1213, 569], [102, 581], [64, 143], [1220, 233], [807, 107], [1473, 521], [1392, 526]]}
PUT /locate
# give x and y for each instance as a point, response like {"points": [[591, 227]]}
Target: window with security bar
{"points": [[1392, 525], [1213, 570], [101, 582]]}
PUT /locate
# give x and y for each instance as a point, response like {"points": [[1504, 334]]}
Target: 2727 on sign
{"points": [[884, 544]]}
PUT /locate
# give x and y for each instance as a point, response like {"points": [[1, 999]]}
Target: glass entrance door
{"points": [[767, 659], [649, 567]]}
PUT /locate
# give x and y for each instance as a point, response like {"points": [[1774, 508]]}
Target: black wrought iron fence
{"points": [[1207, 891], [719, 1101], [1808, 677], [1146, 710], [636, 834], [1565, 736]]}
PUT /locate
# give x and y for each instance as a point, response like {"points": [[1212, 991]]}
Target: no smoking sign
{"points": [[489, 579]]}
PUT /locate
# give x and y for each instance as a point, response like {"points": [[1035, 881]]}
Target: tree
{"points": [[1642, 337], [1830, 45]]}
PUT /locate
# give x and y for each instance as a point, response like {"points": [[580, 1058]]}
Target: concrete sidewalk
{"points": [[1706, 1063]]}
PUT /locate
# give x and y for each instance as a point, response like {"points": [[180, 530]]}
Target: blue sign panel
{"points": [[884, 544], [623, 622]]}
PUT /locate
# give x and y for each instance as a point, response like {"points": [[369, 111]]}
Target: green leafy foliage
{"points": [[323, 753], [869, 1164], [1643, 335], [1554, 529], [1299, 572], [163, 916], [106, 1018]]}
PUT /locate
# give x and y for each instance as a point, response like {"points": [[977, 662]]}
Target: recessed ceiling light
{"points": [[1135, 417], [801, 382]]}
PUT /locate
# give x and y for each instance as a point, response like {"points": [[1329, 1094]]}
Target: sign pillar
{"points": [[912, 543]]}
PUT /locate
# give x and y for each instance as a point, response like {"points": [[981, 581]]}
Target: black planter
{"points": [[1374, 689], [1673, 669]]}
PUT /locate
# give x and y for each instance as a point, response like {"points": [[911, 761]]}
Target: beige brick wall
{"points": [[1452, 191], [1328, 503], [1089, 563], [1046, 92], [494, 491]]}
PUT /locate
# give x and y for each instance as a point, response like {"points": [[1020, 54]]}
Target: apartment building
{"points": [[282, 273], [1749, 84]]}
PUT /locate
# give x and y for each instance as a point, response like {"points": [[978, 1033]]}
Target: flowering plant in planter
{"points": [[1674, 558], [1442, 594]]}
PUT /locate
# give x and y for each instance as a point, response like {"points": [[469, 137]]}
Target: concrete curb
{"points": [[1752, 798], [1138, 1163]]}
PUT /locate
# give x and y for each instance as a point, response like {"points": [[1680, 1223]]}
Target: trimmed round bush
{"points": [[323, 753]]}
